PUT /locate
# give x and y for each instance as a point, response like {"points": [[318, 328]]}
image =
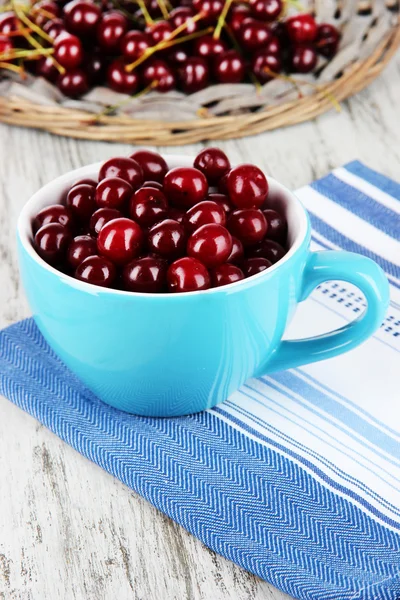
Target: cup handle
{"points": [[344, 266]]}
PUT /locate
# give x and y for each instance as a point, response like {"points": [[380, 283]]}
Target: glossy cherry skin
{"points": [[266, 10], [222, 200], [153, 184], [237, 251], [51, 242], [56, 213], [254, 35], [213, 162], [211, 9], [276, 226], [68, 51], [181, 15], [153, 165], [211, 244], [54, 28], [100, 217], [134, 44], [86, 180], [73, 83], [146, 275], [252, 266], [176, 214], [160, 31], [81, 17], [208, 47], [80, 248], [120, 240], [327, 41], [225, 274], [265, 65], [247, 186], [94, 67], [229, 67], [159, 74], [120, 80], [113, 192], [303, 59], [187, 275], [147, 206], [248, 225], [194, 75], [45, 68], [8, 23], [167, 239], [125, 168], [185, 186], [81, 202], [96, 270], [268, 249], [237, 15], [43, 11], [203, 213], [6, 44], [223, 184], [110, 31], [177, 56], [302, 28]]}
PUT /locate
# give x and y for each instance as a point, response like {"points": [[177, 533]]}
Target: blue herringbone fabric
{"points": [[293, 478]]}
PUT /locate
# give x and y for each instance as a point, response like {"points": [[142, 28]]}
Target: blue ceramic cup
{"points": [[174, 354]]}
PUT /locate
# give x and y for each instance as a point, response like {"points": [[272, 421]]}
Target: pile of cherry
{"points": [[163, 44], [144, 228]]}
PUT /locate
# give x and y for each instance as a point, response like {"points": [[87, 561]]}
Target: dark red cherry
{"points": [[187, 275], [56, 213], [303, 59], [147, 206], [220, 199], [110, 31], [237, 15], [95, 68], [254, 35], [159, 31], [177, 56], [276, 226], [44, 67], [203, 213], [268, 249], [153, 184], [8, 23], [153, 165], [68, 51], [208, 47], [237, 252], [100, 217], [193, 75], [43, 11], [81, 201], [6, 44], [87, 180], [54, 28], [51, 242], [265, 65], [113, 192], [183, 14], [120, 80], [327, 41], [211, 244], [213, 162], [229, 67], [148, 275], [120, 240], [159, 74], [248, 225], [80, 248], [301, 28], [266, 10], [211, 9], [96, 270], [185, 186], [73, 83], [134, 44], [81, 17], [125, 168], [225, 274], [247, 186], [252, 266], [223, 184], [167, 239], [176, 214]]}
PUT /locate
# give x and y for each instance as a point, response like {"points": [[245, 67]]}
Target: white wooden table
{"points": [[68, 530]]}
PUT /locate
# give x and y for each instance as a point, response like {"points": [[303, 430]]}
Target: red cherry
{"points": [[8, 23], [211, 9], [181, 15], [238, 14], [153, 165], [56, 213], [110, 31], [327, 41], [73, 83], [185, 186], [208, 47], [94, 66], [248, 224], [252, 266], [266, 10], [301, 28], [167, 239], [100, 217], [96, 270], [153, 184], [268, 249], [211, 244], [80, 248], [223, 184], [303, 59], [203, 213], [68, 51], [177, 56], [193, 75], [81, 17], [276, 226], [113, 192], [44, 67], [187, 275], [54, 28], [176, 214], [226, 274], [51, 242], [43, 11], [213, 162], [229, 67], [247, 186], [158, 73], [81, 201], [87, 180], [254, 35], [6, 44], [125, 168], [148, 274], [120, 240], [264, 64], [120, 80], [237, 252], [147, 206], [222, 200], [134, 44], [160, 31]]}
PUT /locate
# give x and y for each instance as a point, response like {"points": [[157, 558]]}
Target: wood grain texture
{"points": [[68, 529]]}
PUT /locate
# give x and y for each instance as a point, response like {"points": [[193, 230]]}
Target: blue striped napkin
{"points": [[297, 476]]}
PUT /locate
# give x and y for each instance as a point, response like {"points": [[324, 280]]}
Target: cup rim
{"points": [[24, 233]]}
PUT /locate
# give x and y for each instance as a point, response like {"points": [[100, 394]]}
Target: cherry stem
{"points": [[26, 53], [221, 19], [111, 109], [163, 8], [15, 68], [146, 14]]}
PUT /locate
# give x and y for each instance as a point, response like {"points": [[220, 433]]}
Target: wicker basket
{"points": [[75, 123]]}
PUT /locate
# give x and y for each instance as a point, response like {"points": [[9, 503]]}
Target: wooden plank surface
{"points": [[68, 529]]}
